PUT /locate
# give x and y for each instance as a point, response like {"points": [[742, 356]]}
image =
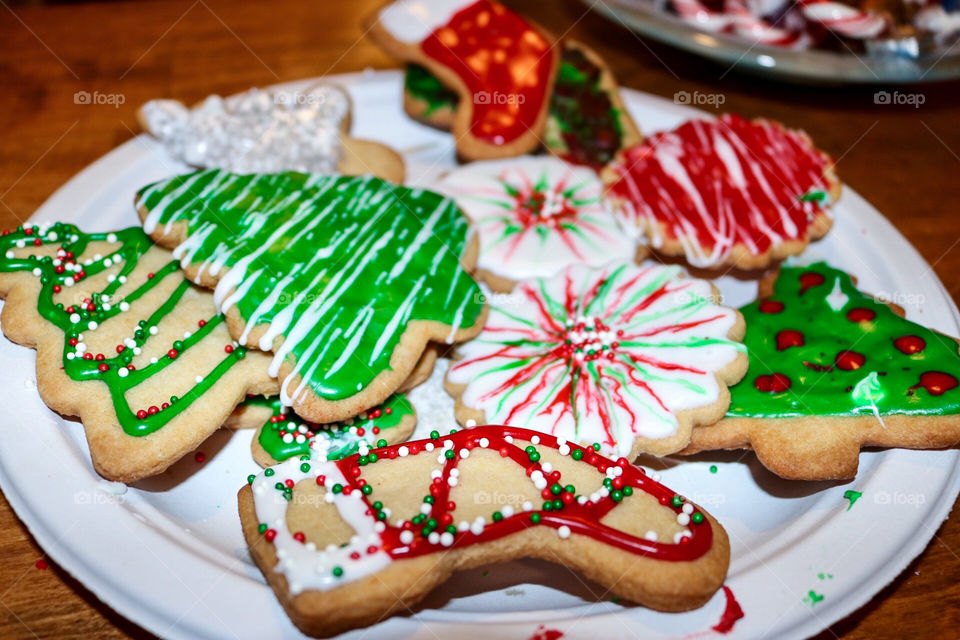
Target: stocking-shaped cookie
{"points": [[345, 544], [501, 66], [125, 343]]}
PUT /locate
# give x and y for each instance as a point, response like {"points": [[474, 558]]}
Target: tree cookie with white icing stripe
{"points": [[726, 192], [501, 66], [345, 279], [125, 343], [270, 131], [833, 370], [628, 357], [536, 216], [346, 544]]}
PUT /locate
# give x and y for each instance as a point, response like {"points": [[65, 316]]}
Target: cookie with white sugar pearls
{"points": [[345, 544], [262, 131], [125, 343], [628, 357]]}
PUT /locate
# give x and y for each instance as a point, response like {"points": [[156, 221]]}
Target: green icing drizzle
{"points": [[857, 356], [425, 86], [337, 266], [335, 441], [70, 266]]}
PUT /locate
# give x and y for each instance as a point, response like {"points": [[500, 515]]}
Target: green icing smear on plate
{"points": [[819, 346], [286, 435], [67, 265], [336, 266]]}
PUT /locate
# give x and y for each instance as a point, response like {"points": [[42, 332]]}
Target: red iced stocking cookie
{"points": [[346, 544], [501, 66]]}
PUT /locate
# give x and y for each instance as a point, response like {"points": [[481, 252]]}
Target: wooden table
{"points": [[904, 159]]}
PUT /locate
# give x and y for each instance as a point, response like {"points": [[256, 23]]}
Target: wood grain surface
{"points": [[904, 159]]}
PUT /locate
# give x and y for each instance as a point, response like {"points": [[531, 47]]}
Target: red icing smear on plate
{"points": [[582, 519], [505, 64], [542, 633], [724, 182], [731, 613]]}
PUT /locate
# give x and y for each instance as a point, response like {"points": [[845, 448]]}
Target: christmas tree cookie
{"points": [[345, 279], [535, 216], [833, 370], [283, 435], [628, 357], [123, 342], [346, 544], [501, 67]]}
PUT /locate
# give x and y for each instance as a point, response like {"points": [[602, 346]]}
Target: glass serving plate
{"points": [[805, 66]]}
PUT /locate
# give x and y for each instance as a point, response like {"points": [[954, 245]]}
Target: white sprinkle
{"points": [[153, 330], [507, 511], [651, 535], [198, 379], [509, 439], [687, 508], [425, 509], [469, 423], [683, 519], [564, 450], [564, 532], [433, 538], [535, 439], [446, 538], [92, 325], [124, 306], [36, 271], [10, 255], [528, 506], [74, 318], [464, 453], [111, 237], [484, 443], [123, 372], [288, 438], [406, 537], [428, 447], [71, 355]]}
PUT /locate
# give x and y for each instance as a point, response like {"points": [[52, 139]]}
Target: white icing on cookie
{"points": [[304, 566], [254, 132], [536, 216], [411, 21], [599, 355]]}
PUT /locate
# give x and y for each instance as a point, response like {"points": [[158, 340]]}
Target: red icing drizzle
{"points": [[581, 519], [505, 64], [910, 344], [850, 360], [789, 338], [772, 383], [731, 613], [861, 315], [936, 383], [771, 306], [683, 180], [542, 633]]}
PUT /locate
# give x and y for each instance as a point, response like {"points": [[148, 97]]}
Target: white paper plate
{"points": [[168, 552]]}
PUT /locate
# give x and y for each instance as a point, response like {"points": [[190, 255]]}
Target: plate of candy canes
{"points": [[812, 41]]}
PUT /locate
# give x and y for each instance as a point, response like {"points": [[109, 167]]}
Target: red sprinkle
{"points": [[200, 456], [861, 315], [910, 344], [772, 383]]}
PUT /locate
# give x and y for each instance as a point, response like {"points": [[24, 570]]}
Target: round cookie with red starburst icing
{"points": [[536, 216], [725, 191], [628, 357]]}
